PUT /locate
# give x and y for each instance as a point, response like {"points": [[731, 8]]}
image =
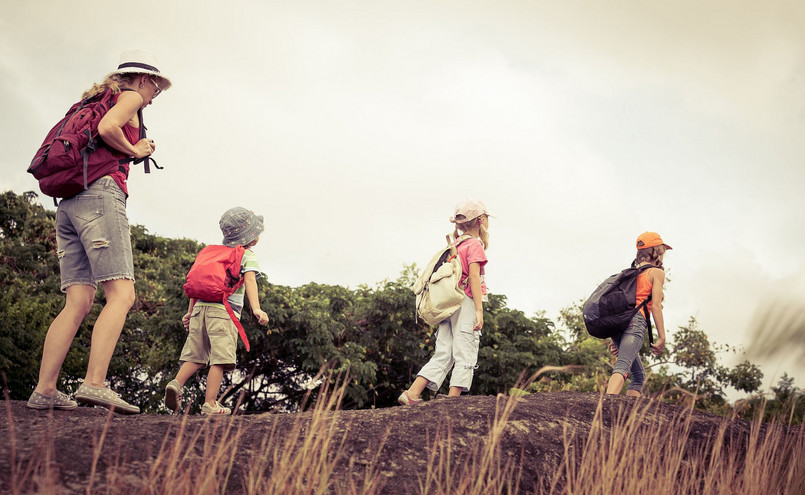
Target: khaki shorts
{"points": [[212, 339]]}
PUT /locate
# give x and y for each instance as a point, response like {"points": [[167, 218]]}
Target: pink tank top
{"points": [[121, 175]]}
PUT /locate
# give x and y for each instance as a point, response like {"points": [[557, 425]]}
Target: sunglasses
{"points": [[158, 90]]}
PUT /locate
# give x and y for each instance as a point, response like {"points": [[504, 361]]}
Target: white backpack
{"points": [[438, 290]]}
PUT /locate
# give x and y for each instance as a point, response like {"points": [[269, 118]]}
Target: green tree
{"points": [[510, 344], [29, 290], [786, 404], [697, 370]]}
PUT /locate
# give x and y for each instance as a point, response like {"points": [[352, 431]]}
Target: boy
{"points": [[212, 336]]}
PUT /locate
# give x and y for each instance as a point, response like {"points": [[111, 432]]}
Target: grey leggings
{"points": [[629, 343]]}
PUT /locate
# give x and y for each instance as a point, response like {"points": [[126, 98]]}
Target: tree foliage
{"points": [[369, 332]]}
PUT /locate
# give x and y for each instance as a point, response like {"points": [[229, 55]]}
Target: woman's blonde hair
{"points": [[652, 255], [483, 234], [115, 82]]}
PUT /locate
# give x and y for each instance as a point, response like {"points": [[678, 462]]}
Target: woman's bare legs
{"points": [[61, 334], [119, 299]]}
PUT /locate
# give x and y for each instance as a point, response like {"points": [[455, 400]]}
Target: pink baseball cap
{"points": [[469, 209]]}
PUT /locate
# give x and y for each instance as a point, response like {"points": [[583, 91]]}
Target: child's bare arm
{"points": [[252, 295], [477, 295], [186, 318]]}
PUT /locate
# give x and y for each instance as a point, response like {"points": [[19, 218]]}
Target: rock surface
{"points": [[393, 444]]}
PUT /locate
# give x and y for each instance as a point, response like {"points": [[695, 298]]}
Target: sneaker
{"points": [[104, 397], [58, 400], [173, 396], [405, 400], [214, 409]]}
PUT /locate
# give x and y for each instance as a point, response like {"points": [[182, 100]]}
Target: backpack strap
{"points": [[644, 305], [146, 160], [233, 316], [462, 238]]}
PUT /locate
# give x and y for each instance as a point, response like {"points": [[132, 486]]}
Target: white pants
{"points": [[456, 344]]}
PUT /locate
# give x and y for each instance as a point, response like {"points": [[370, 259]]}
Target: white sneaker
{"points": [[214, 409], [173, 396]]}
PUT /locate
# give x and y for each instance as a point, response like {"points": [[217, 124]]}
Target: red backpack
{"points": [[214, 276], [72, 156]]}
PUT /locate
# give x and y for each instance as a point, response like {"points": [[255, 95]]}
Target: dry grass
{"points": [[641, 452], [634, 450], [482, 470], [304, 461]]}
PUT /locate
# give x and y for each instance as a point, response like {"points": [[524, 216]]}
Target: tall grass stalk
{"points": [[478, 472], [39, 469], [304, 461], [482, 470], [643, 452]]}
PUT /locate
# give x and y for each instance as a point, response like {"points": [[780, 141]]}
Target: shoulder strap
{"points": [[644, 305], [146, 160], [461, 239]]}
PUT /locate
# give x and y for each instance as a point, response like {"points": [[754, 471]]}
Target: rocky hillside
{"points": [[529, 444]]}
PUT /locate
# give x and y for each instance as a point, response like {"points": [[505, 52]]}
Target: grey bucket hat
{"points": [[240, 226]]}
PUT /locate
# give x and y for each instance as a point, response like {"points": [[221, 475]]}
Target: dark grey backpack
{"points": [[611, 306]]}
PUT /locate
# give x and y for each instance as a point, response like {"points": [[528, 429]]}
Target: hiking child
{"points": [[626, 346], [94, 243], [212, 335], [459, 335]]}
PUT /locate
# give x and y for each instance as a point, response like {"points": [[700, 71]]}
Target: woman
{"points": [[94, 244]]}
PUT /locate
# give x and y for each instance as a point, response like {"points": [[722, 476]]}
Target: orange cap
{"points": [[650, 239]]}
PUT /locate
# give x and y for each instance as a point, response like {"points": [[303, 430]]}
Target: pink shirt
{"points": [[472, 251]]}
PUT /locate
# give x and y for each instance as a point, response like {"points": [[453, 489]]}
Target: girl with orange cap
{"points": [[626, 346]]}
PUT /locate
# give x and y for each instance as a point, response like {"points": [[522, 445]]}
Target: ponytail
{"points": [[483, 234]]}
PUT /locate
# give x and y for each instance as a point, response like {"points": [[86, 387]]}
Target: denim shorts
{"points": [[93, 237]]}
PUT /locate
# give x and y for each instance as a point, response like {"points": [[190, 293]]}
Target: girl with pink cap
{"points": [[459, 335]]}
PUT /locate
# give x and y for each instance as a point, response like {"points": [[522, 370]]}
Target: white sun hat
{"points": [[141, 62]]}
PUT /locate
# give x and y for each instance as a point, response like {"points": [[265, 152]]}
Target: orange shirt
{"points": [[644, 288]]}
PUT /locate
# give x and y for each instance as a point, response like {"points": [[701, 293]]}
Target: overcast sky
{"points": [[355, 127]]}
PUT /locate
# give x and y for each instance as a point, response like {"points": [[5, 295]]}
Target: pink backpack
{"points": [[214, 276]]}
